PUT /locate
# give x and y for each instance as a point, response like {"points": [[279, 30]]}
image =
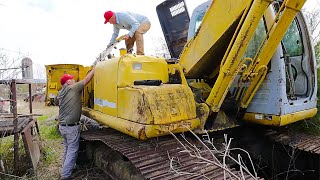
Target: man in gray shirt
{"points": [[70, 105], [137, 25]]}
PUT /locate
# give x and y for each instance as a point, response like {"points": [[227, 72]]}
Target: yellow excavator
{"points": [[232, 61], [250, 60]]}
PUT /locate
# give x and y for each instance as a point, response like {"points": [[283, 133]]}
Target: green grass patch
{"points": [[50, 155], [42, 118], [48, 128], [7, 154], [311, 126], [50, 132]]}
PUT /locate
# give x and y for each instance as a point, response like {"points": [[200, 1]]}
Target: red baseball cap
{"points": [[107, 16], [64, 78]]}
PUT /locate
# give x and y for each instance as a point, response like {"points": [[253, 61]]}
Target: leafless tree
{"points": [[10, 64], [218, 157], [40, 71], [161, 49], [313, 22]]}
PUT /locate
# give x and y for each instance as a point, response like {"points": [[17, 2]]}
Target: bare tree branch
{"points": [[208, 147]]}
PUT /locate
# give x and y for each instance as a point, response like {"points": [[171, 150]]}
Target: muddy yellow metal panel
{"points": [[162, 104], [134, 68], [210, 43], [54, 73], [138, 130], [105, 86], [132, 105]]}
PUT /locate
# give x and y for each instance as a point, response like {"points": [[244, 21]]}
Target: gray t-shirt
{"points": [[70, 104]]}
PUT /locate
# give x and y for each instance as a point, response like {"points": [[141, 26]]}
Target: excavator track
{"points": [[299, 141], [152, 157]]}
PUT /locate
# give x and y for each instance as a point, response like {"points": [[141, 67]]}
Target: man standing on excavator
{"points": [[70, 105], [136, 24]]}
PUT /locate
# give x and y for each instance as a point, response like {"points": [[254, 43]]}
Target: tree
{"points": [[313, 22], [161, 49]]}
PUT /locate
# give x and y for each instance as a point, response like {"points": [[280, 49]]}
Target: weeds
{"points": [[42, 118], [7, 155], [50, 155], [50, 133]]}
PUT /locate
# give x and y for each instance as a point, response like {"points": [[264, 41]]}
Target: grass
{"points": [[49, 135], [48, 128], [310, 126], [51, 145], [7, 154], [42, 118]]}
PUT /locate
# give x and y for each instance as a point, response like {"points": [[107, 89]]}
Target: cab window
{"points": [[256, 40], [292, 41], [199, 21]]}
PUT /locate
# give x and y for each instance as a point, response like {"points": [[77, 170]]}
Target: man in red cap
{"points": [[137, 25], [70, 105]]}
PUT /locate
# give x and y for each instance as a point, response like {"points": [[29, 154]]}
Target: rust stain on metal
{"points": [[142, 133], [140, 108]]}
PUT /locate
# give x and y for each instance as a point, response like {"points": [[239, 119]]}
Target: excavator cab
{"points": [[286, 94]]}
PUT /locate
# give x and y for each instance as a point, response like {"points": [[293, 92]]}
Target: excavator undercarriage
{"points": [[124, 157]]}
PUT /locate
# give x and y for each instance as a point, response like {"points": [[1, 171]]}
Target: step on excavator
{"points": [[231, 62]]}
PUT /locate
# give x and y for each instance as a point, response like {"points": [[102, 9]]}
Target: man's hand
{"points": [[126, 37]]}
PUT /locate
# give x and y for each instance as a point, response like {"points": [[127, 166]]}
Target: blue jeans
{"points": [[71, 136]]}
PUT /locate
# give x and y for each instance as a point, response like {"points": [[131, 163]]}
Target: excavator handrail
{"points": [[102, 56]]}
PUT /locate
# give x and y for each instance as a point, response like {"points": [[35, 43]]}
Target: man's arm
{"points": [[114, 35], [88, 77], [79, 86]]}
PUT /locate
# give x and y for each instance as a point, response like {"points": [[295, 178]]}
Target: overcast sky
{"points": [[72, 31], [68, 31]]}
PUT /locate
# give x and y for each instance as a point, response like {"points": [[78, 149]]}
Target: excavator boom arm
{"points": [[246, 15]]}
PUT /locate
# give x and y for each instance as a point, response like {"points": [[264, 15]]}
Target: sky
{"points": [[72, 31]]}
